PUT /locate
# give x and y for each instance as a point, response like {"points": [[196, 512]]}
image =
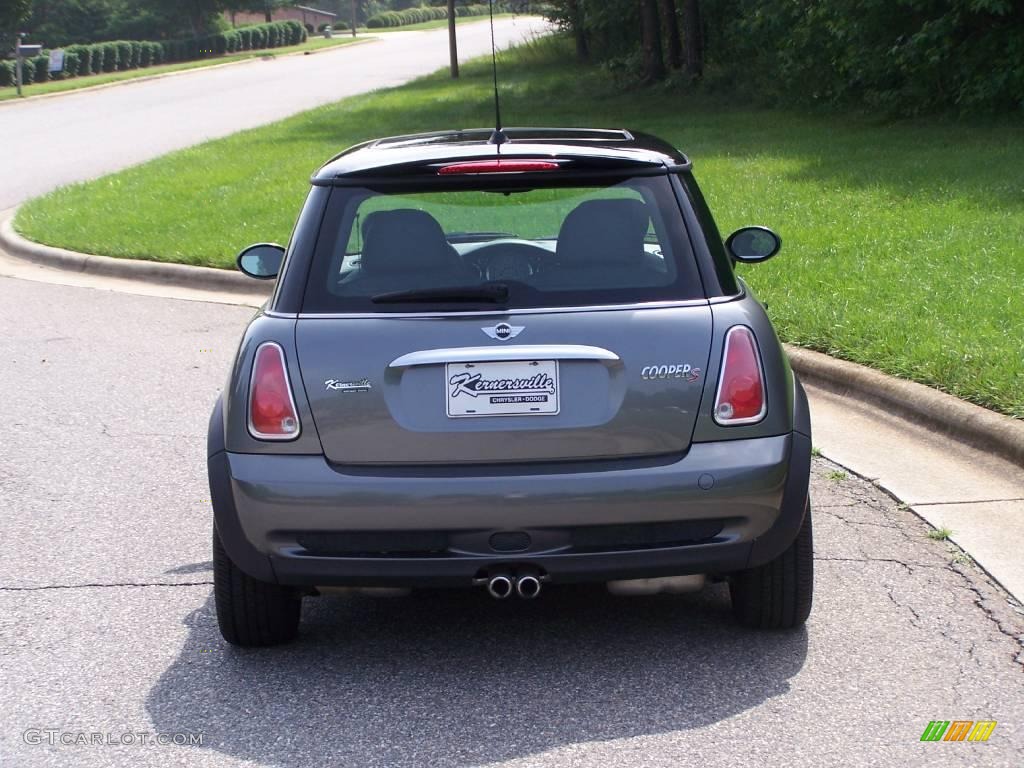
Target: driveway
{"points": [[107, 623], [50, 142]]}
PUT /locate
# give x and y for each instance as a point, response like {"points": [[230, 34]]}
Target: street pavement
{"points": [[45, 143], [107, 622]]}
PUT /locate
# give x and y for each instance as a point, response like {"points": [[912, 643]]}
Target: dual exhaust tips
{"points": [[502, 585]]}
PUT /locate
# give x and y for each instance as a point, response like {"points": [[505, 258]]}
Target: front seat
{"points": [[405, 249], [601, 245]]}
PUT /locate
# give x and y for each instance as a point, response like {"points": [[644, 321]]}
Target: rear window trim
{"points": [[499, 313]]}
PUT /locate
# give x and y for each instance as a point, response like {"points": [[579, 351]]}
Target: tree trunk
{"points": [[670, 19], [579, 30], [694, 37], [650, 36]]}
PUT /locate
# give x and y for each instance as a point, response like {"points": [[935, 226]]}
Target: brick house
{"points": [[311, 18]]}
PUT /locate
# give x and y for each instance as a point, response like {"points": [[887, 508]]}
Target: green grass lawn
{"points": [[904, 243], [76, 83]]}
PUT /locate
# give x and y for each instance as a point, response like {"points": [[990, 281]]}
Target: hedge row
{"points": [[419, 15], [255, 38], [119, 55]]}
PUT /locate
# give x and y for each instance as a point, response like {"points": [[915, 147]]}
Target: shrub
{"points": [[6, 73], [124, 54], [245, 39], [42, 67], [259, 38], [84, 55], [110, 57], [145, 54], [156, 53], [296, 32], [70, 67], [340, 26], [213, 45], [28, 70], [136, 49]]}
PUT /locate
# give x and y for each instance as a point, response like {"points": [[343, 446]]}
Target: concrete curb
{"points": [[162, 75], [991, 432], [182, 275]]}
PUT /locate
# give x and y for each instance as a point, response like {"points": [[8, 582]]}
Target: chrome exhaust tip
{"points": [[499, 587], [528, 587]]}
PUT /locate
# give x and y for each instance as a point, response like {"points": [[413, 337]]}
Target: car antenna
{"points": [[498, 137]]}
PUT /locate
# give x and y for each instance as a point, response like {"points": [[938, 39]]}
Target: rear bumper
{"points": [[723, 507]]}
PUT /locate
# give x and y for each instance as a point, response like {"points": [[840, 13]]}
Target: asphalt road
{"points": [[107, 624], [45, 143]]}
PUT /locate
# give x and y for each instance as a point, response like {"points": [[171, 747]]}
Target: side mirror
{"points": [[262, 261], [753, 244]]}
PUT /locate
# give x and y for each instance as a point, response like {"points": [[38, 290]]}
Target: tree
{"points": [[195, 17], [694, 32], [650, 41], [670, 20], [12, 14], [267, 7], [579, 29]]}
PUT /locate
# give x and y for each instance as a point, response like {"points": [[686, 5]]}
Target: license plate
{"points": [[519, 388]]}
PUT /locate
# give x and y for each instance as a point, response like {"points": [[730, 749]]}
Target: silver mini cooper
{"points": [[505, 360]]}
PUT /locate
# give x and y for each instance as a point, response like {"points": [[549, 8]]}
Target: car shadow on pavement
{"points": [[456, 678]]}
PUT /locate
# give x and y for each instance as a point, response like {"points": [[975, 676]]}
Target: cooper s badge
{"points": [[503, 331], [683, 371]]}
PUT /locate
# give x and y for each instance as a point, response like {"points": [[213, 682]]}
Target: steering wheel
{"points": [[509, 261]]}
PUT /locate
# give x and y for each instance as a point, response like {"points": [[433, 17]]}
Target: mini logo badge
{"points": [[333, 385], [503, 331]]}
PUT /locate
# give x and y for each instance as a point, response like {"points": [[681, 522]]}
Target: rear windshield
{"points": [[447, 250]]}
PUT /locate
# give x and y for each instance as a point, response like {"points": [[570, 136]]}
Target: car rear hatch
{"points": [[515, 387]]}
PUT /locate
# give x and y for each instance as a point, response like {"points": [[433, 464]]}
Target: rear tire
{"points": [[778, 594], [251, 613]]}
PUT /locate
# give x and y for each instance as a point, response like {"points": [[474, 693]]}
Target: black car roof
{"points": [[579, 149]]}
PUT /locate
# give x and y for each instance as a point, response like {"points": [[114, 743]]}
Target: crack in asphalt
{"points": [[915, 621], [121, 584], [909, 566], [848, 521], [981, 601]]}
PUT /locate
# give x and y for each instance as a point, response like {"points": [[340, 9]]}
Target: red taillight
{"points": [[497, 166], [740, 398], [272, 414]]}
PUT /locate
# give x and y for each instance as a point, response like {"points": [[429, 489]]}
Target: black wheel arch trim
{"points": [[795, 497], [801, 409], [225, 515], [795, 494]]}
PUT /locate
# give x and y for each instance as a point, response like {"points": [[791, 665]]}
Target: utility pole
{"points": [[453, 46], [355, 17]]}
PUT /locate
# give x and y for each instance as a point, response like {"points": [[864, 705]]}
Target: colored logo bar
{"points": [[958, 730]]}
